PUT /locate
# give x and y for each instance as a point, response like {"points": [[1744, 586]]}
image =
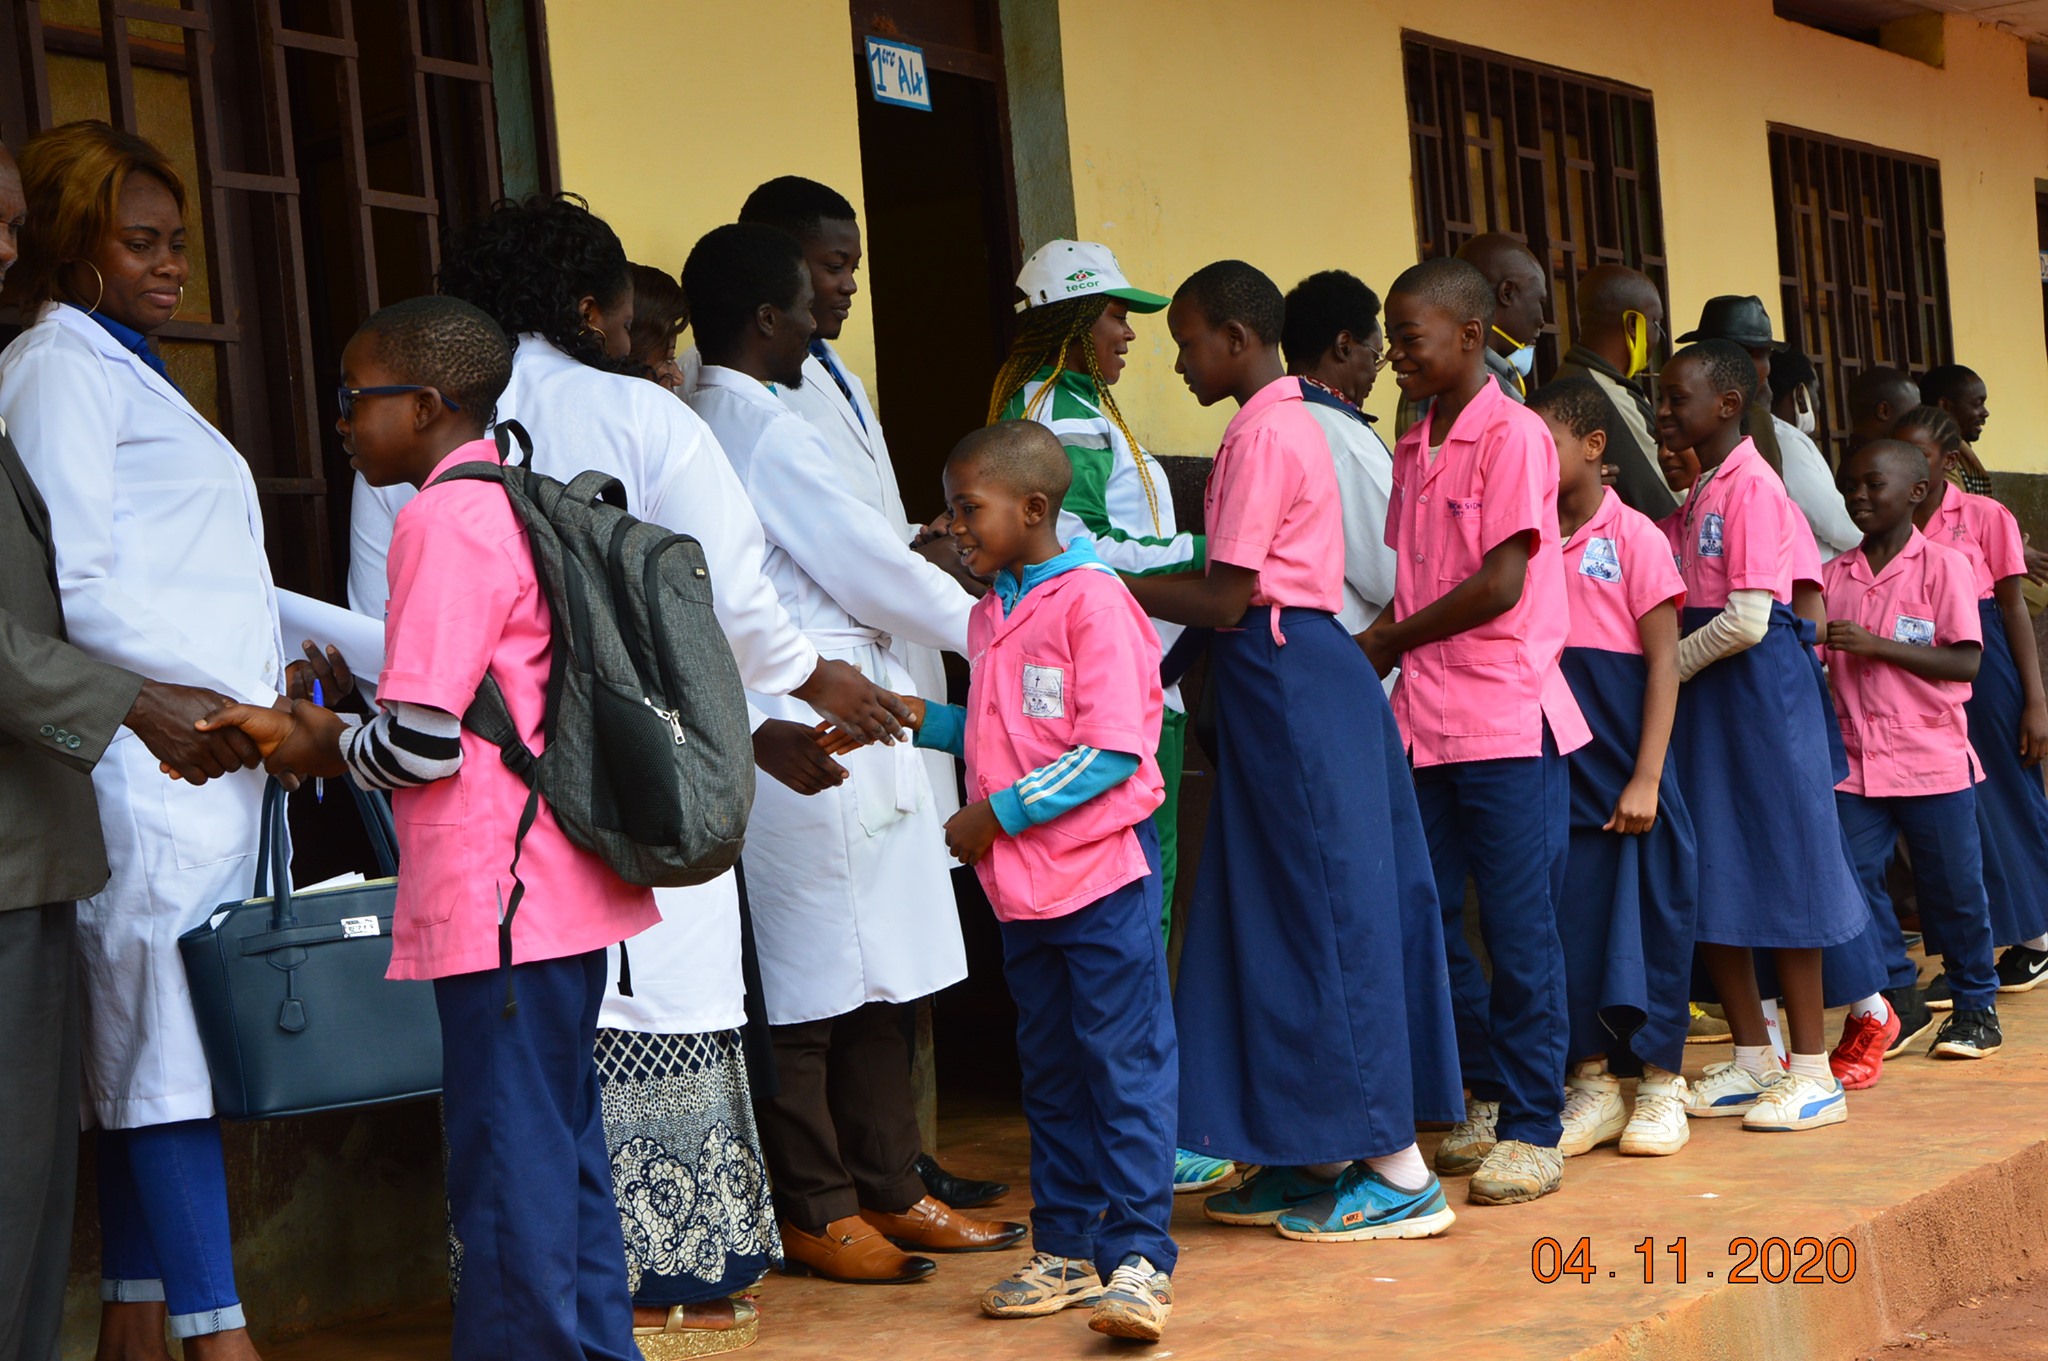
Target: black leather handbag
{"points": [[295, 1013]]}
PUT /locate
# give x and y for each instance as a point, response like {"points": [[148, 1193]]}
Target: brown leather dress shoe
{"points": [[932, 1226], [850, 1251]]}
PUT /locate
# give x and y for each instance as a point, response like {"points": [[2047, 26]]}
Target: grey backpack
{"points": [[648, 755]]}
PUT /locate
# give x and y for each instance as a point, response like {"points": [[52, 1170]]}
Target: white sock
{"points": [[1325, 1171], [1405, 1169], [1774, 1028], [1754, 1059], [1812, 1065], [1873, 1006], [2037, 943]]}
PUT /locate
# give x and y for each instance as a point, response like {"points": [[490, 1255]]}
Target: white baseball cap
{"points": [[1059, 270]]}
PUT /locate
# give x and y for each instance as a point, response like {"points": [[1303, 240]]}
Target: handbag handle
{"points": [[273, 865]]}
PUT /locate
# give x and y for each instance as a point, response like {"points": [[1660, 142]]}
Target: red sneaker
{"points": [[1859, 1059]]}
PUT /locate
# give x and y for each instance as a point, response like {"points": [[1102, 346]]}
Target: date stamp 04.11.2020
{"points": [[1751, 1261]]}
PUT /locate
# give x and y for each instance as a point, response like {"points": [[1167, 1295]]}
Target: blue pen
{"points": [[319, 785]]}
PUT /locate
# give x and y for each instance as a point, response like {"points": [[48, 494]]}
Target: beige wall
{"points": [[1283, 141], [669, 113]]}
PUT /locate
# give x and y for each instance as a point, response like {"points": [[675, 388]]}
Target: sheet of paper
{"points": [[360, 638]]}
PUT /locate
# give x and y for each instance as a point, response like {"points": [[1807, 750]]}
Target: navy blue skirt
{"points": [[1629, 904], [1758, 770], [2012, 807], [1313, 1003]]}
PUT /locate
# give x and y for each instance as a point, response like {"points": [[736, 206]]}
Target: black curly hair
{"points": [[530, 262], [446, 344]]}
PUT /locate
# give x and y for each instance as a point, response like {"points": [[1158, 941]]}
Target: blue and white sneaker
{"points": [[1795, 1102], [1366, 1205], [1194, 1172], [1724, 1089], [1266, 1195]]}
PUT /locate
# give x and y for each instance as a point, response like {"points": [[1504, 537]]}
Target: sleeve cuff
{"points": [[944, 729], [1009, 810]]}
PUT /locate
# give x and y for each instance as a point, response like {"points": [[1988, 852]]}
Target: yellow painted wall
{"points": [[1277, 133], [669, 114]]}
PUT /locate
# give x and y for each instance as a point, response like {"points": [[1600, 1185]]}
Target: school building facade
{"points": [[1876, 170]]}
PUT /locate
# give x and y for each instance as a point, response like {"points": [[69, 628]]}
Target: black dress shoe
{"points": [[957, 1192]]}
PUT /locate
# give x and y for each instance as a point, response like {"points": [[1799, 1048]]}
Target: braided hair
{"points": [[529, 263], [1046, 335], [1936, 423]]}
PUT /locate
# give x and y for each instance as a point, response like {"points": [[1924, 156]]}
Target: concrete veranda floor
{"points": [[1939, 1180]]}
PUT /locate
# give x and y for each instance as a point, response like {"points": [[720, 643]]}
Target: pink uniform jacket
{"points": [[1905, 735], [1076, 663], [1486, 693], [1983, 531], [1735, 533], [1617, 568], [465, 601], [1272, 503]]}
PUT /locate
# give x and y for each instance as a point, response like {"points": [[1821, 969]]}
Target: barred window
{"points": [[325, 145], [1567, 162], [1863, 261]]}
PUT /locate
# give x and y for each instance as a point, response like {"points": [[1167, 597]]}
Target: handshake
{"points": [[197, 734]]}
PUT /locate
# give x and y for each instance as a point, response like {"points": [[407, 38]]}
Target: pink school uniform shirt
{"points": [[1905, 735], [465, 601], [1486, 693], [1617, 568], [1075, 663], [1735, 533], [1272, 504], [1983, 531]]}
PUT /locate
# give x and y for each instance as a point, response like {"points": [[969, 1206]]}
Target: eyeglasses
{"points": [[345, 397], [1378, 357]]}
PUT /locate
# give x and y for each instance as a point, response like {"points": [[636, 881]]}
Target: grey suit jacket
{"points": [[58, 710]]}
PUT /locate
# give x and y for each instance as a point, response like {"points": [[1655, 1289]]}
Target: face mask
{"points": [[1809, 421], [1523, 360], [1636, 327]]}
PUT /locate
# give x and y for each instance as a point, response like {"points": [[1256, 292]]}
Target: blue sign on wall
{"points": [[896, 75]]}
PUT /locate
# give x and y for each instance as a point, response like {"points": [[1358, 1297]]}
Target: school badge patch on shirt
{"points": [[1045, 692], [1913, 632], [1602, 562], [1710, 536]]}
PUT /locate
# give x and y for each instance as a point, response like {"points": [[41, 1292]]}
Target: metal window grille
{"points": [[325, 145], [1863, 262], [1567, 162]]}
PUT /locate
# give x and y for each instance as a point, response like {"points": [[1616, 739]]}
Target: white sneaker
{"points": [[1470, 1140], [1657, 1128], [1799, 1102], [1135, 1303], [1594, 1113], [1724, 1089]]}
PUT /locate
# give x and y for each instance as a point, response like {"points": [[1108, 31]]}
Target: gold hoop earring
{"points": [[602, 339], [99, 297]]}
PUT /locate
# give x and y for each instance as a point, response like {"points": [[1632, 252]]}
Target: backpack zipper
{"points": [[668, 716]]}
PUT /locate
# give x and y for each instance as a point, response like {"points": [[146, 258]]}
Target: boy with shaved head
{"points": [[1478, 628], [1519, 284], [1061, 723], [1619, 325]]}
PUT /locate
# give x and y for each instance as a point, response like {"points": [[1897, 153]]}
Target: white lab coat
{"points": [[861, 455], [850, 893], [1812, 488], [1365, 482], [159, 543], [686, 971]]}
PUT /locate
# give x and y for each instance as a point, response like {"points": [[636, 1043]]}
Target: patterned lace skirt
{"points": [[686, 1165]]}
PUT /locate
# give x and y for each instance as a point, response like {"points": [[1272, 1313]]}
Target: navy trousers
{"points": [[1506, 822], [1948, 870], [529, 1182], [1095, 1039]]}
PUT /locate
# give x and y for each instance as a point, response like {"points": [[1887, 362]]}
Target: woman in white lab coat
{"points": [[555, 277], [160, 564]]}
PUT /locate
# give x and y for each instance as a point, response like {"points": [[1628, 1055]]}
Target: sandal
{"points": [[684, 1336]]}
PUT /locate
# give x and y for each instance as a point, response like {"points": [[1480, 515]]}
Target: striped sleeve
{"points": [[403, 747], [1067, 783]]}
